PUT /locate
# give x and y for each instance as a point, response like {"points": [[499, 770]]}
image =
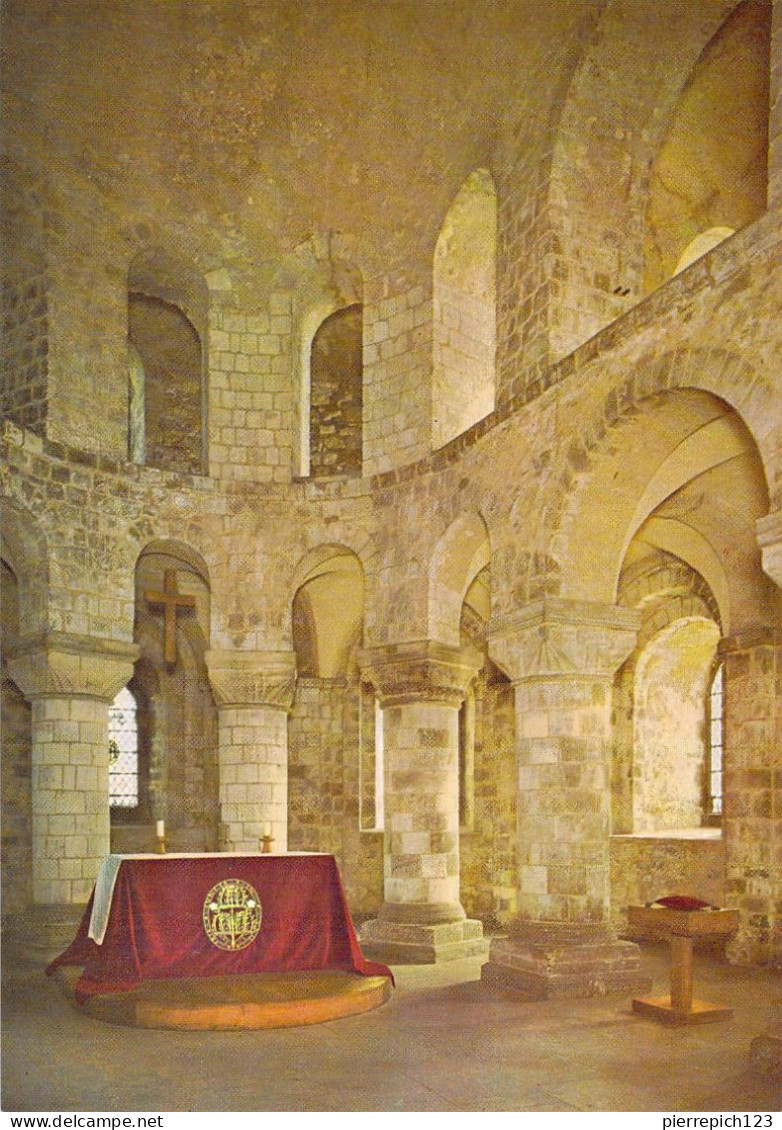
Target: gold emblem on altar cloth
{"points": [[232, 914]]}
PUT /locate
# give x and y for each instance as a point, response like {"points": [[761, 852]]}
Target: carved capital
{"points": [[421, 671], [58, 665], [252, 678], [563, 638]]}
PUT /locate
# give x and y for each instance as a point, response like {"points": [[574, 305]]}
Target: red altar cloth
{"points": [[155, 927]]}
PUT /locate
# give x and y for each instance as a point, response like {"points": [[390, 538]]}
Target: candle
{"points": [[160, 828], [267, 829]]}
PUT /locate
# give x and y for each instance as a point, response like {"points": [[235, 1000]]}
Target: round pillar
{"points": [[254, 692], [421, 687]]}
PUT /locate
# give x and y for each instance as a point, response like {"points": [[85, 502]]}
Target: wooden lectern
{"points": [[681, 927]]}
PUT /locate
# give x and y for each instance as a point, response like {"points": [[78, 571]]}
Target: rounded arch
{"points": [[612, 123], [672, 677], [180, 551], [329, 278], [701, 244], [675, 470], [24, 548], [191, 578], [168, 305], [327, 610], [462, 552], [710, 173], [464, 313], [158, 272], [660, 750]]}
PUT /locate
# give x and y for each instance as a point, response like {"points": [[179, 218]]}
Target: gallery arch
{"points": [[175, 717], [710, 175], [464, 310], [167, 313]]}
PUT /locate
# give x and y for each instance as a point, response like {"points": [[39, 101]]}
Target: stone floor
{"points": [[443, 1043]]}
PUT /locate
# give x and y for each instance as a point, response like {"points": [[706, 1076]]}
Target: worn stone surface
{"points": [[611, 441]]}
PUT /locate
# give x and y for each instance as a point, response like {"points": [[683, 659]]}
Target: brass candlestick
{"points": [[266, 843], [161, 845]]}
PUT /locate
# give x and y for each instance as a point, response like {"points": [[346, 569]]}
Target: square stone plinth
{"points": [[559, 963], [414, 943]]}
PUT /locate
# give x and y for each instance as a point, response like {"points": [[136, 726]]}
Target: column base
{"points": [[554, 960], [765, 1051], [419, 943]]}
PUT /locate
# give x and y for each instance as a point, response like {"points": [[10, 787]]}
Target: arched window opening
{"points": [[701, 245], [379, 779], [123, 751], [715, 732], [710, 175], [464, 311], [467, 762], [168, 311], [137, 443], [165, 408], [336, 394], [670, 763]]}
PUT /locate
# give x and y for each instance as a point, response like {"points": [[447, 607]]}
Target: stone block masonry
{"points": [[251, 405]]}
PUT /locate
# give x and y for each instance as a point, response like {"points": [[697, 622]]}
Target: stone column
{"points": [[71, 682], [254, 692], [752, 776], [561, 657], [421, 687]]}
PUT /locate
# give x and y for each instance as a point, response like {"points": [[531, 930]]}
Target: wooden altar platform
{"points": [[250, 1001], [219, 941]]}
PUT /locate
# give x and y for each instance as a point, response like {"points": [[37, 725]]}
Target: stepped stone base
{"points": [[555, 960], [417, 943]]}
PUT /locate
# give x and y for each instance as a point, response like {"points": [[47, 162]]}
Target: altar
{"points": [[168, 917]]}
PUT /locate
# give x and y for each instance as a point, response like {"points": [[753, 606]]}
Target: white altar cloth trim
{"points": [[109, 869]]}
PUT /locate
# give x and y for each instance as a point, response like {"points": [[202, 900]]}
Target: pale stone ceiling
{"points": [[277, 119]]}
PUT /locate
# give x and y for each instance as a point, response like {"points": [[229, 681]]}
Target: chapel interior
{"points": [[391, 427]]}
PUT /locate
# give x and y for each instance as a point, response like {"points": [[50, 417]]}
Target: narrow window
{"points": [[371, 810], [123, 752], [716, 703], [380, 812], [467, 762]]}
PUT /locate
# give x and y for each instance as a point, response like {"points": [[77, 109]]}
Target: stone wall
{"points": [[24, 393], [645, 868], [752, 782], [488, 847], [324, 744], [397, 408], [250, 398], [595, 387]]}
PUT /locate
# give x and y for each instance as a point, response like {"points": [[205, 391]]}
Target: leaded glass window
{"points": [[715, 743], [123, 751]]}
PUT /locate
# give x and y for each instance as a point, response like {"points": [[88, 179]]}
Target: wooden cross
{"points": [[171, 600]]}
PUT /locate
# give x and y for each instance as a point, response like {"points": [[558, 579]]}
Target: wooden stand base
{"points": [[699, 1012], [263, 1000], [681, 927]]}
